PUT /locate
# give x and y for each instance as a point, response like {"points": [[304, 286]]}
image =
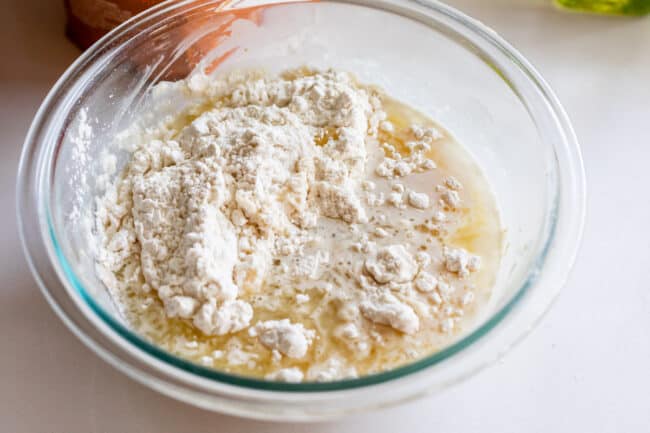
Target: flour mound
{"points": [[202, 215]]}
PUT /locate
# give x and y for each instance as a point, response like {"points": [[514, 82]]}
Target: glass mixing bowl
{"points": [[421, 52]]}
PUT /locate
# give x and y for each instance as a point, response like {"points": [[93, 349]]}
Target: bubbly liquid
{"points": [[476, 228]]}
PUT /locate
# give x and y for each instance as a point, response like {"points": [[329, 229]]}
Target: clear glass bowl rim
{"points": [[67, 277]]}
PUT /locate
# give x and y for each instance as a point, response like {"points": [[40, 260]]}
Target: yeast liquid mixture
{"points": [[375, 290]]}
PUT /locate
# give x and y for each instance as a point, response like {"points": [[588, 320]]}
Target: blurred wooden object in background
{"points": [[89, 20]]}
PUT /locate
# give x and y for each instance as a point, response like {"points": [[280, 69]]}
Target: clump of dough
{"points": [[386, 309], [392, 264], [290, 339]]}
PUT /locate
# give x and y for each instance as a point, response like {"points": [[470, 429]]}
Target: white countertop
{"points": [[586, 368]]}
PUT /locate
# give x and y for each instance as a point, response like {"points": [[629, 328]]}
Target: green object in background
{"points": [[612, 7]]}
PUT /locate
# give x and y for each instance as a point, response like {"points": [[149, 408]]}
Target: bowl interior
{"points": [[427, 62]]}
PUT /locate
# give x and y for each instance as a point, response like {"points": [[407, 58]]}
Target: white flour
{"points": [[267, 196], [236, 183]]}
